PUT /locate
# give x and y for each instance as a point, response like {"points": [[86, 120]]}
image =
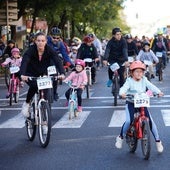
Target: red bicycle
{"points": [[139, 128], [14, 83]]}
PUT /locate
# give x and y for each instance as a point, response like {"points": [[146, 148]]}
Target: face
{"points": [[15, 55], [55, 38], [41, 42], [79, 68], [129, 40], [137, 74], [118, 36], [146, 47]]}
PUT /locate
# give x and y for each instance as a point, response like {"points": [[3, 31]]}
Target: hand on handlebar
{"points": [[24, 78], [105, 62]]}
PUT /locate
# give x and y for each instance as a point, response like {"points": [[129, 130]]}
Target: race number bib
{"points": [[141, 100], [114, 67], [14, 69], [51, 70], [44, 83], [88, 60], [130, 59], [159, 54]]}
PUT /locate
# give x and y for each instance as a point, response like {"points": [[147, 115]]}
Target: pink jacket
{"points": [[12, 61], [77, 79]]}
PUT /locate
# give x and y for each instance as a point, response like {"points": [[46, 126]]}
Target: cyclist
{"points": [[160, 44], [88, 50], [132, 48], [139, 83], [147, 54], [14, 60], [78, 78], [35, 62], [116, 52], [55, 41]]}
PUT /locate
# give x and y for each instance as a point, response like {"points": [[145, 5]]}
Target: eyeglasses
{"points": [[57, 38]]}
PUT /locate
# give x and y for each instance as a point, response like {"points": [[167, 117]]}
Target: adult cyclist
{"points": [[116, 52]]}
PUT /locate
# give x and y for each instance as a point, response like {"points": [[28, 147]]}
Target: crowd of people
{"points": [[44, 51]]}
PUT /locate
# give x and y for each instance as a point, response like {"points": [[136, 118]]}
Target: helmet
{"points": [[87, 39], [115, 30], [92, 35], [146, 43], [80, 62], [137, 64], [76, 40], [55, 31], [15, 50], [159, 32], [128, 36]]}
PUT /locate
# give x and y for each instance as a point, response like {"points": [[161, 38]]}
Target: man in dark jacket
{"points": [[116, 52]]}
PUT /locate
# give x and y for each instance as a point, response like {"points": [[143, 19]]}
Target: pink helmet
{"points": [[15, 50], [137, 64], [80, 62]]}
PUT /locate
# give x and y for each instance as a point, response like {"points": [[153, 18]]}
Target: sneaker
{"points": [[25, 109], [119, 142], [79, 109], [159, 147], [45, 129], [109, 83]]}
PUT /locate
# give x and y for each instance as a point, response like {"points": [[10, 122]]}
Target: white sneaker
{"points": [[159, 147], [119, 142], [25, 109]]}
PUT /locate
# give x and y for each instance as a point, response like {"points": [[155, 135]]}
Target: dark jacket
{"points": [[86, 51], [31, 66], [116, 51], [132, 49]]}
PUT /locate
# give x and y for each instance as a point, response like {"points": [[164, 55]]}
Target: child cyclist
{"points": [[14, 60], [78, 78], [139, 83]]}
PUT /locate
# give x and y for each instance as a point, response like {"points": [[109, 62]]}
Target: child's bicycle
{"points": [[72, 104], [139, 128], [14, 83], [160, 66]]}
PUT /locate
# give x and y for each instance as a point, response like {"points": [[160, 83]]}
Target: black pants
{"points": [[79, 93], [121, 72]]}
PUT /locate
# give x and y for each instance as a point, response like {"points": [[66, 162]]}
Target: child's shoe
{"points": [[159, 146], [119, 142], [109, 83], [79, 109]]}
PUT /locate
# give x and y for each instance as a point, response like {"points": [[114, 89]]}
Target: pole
{"points": [[7, 20]]}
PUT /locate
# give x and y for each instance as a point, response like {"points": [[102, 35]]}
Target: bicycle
{"points": [[147, 72], [88, 72], [115, 82], [159, 66], [14, 83], [72, 104], [40, 112], [139, 128]]}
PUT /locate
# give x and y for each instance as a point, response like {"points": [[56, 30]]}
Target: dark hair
{"points": [[39, 34], [115, 30]]}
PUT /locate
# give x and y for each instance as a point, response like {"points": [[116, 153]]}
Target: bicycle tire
{"points": [[88, 91], [145, 141], [131, 139], [71, 110], [30, 123], [44, 121], [115, 89], [160, 73], [16, 94], [11, 85], [7, 77]]}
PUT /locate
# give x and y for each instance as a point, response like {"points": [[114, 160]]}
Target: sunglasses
{"points": [[57, 38]]}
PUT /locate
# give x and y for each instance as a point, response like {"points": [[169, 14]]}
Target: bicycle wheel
{"points": [[71, 109], [7, 77], [87, 91], [30, 123], [44, 124], [115, 89], [145, 141], [160, 77], [16, 94], [131, 139], [11, 85]]}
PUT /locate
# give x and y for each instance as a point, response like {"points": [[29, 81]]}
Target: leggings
{"points": [[130, 110]]}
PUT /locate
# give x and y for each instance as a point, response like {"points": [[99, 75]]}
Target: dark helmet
{"points": [[11, 42], [128, 36], [115, 30], [146, 43], [55, 31]]}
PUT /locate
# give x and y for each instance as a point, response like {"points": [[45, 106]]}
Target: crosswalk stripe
{"points": [[166, 117], [77, 122], [117, 119], [15, 122]]}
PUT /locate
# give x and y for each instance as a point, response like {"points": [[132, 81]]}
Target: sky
{"points": [[148, 13]]}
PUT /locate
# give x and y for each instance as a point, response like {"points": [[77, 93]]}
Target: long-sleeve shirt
{"points": [[77, 79], [12, 61], [150, 56], [138, 86]]}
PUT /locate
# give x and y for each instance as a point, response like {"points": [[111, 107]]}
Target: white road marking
{"points": [[77, 122], [166, 117], [117, 119], [15, 122]]}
